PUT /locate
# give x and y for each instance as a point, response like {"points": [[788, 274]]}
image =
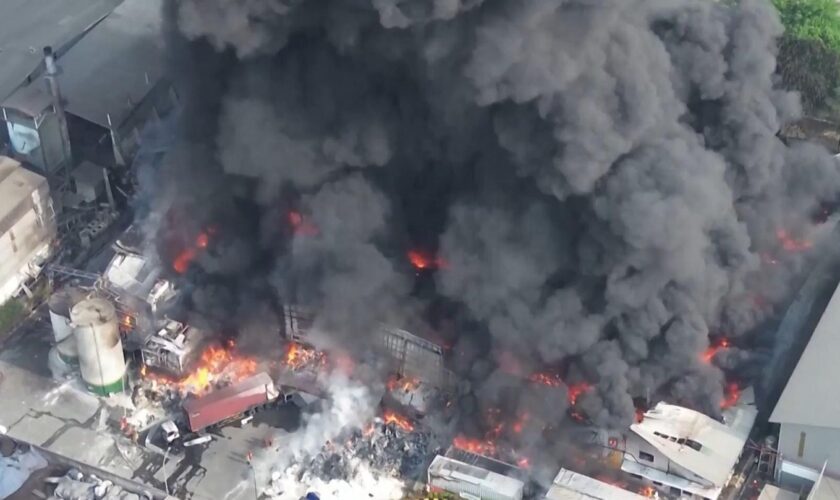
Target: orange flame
{"points": [[187, 256], [575, 390], [215, 365], [647, 491], [421, 261], [405, 384], [477, 446], [299, 355], [523, 462], [398, 420], [731, 396], [710, 353]]}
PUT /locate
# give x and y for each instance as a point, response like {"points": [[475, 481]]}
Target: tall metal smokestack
{"points": [[51, 76]]}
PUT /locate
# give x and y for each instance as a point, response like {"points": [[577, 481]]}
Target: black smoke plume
{"points": [[601, 178]]}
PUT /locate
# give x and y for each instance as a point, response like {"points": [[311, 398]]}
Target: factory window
{"points": [[801, 451], [646, 456], [694, 445], [676, 491]]}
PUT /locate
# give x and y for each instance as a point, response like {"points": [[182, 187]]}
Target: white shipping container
{"points": [[472, 482]]}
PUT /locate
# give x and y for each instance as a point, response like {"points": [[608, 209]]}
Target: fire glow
{"points": [[477, 446], [301, 226], [791, 244], [405, 384], [710, 353], [187, 256], [391, 417], [216, 365], [421, 261], [299, 356], [732, 393]]}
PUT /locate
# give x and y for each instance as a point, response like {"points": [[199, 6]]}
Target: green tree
{"points": [[811, 68], [811, 20]]}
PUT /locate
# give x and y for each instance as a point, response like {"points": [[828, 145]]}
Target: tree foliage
{"points": [[811, 20], [812, 68]]}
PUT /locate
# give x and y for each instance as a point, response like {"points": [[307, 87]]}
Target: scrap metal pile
{"points": [[390, 447]]}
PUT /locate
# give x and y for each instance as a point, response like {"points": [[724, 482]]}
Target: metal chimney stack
{"points": [[51, 76]]}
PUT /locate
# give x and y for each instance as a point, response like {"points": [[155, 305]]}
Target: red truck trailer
{"points": [[230, 402]]}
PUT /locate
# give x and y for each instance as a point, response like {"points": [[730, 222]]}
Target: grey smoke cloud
{"points": [[601, 178]]}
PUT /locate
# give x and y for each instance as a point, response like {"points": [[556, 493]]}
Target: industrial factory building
{"points": [[569, 485], [106, 95], [681, 452], [27, 226], [809, 434]]}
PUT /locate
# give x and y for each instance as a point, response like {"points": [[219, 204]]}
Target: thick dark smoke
{"points": [[600, 177]]}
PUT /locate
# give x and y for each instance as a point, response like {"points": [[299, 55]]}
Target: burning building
{"points": [[681, 452], [597, 190], [175, 348]]}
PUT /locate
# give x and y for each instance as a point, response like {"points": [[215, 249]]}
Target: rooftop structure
{"points": [[26, 26], [569, 485], [809, 419], [770, 492], [105, 92], [686, 450], [471, 481], [27, 225]]}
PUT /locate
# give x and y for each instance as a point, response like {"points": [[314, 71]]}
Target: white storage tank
{"points": [[59, 306], [101, 358]]}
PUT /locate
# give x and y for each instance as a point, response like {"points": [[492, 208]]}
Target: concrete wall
{"points": [[820, 444]]}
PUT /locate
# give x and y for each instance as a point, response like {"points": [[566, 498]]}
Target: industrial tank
{"points": [[97, 335], [59, 305]]}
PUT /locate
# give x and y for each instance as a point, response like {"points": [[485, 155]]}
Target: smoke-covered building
{"points": [[807, 413], [685, 453]]}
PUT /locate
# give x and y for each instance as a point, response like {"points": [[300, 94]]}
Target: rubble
{"points": [[75, 485], [386, 448]]}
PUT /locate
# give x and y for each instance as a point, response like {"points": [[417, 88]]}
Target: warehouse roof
{"points": [[459, 472], [569, 485], [16, 185], [700, 444], [805, 398], [115, 65], [26, 26]]}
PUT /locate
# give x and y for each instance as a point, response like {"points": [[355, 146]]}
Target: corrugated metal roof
{"points": [[27, 26], [16, 184], [569, 485], [721, 444], [456, 471], [807, 398], [770, 492], [115, 65]]}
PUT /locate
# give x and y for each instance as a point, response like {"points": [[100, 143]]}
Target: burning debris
{"points": [[217, 366]]}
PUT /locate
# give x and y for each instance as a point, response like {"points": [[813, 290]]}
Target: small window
{"points": [[681, 441], [673, 439], [676, 491], [645, 456], [657, 483], [801, 451], [694, 445]]}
